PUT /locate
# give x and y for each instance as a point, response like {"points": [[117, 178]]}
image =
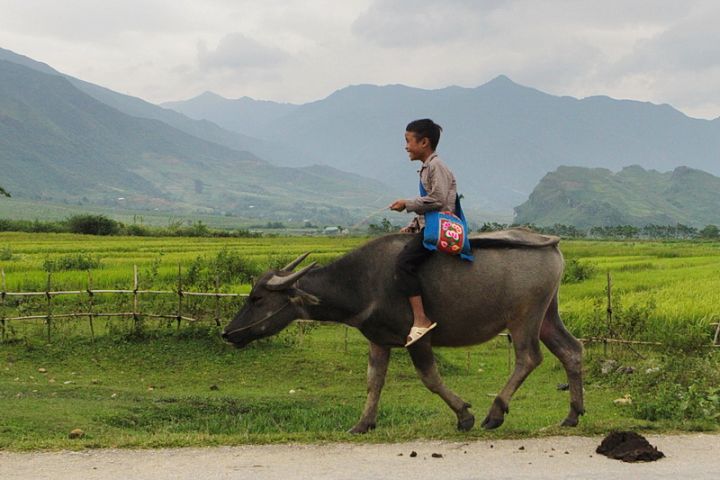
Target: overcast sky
{"points": [[663, 51]]}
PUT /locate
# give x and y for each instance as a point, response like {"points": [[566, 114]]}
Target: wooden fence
{"points": [[137, 315]]}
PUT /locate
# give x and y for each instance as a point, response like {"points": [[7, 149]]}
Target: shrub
{"points": [[682, 388], [278, 261], [576, 271], [227, 267], [136, 230], [231, 267], [77, 261], [93, 225], [6, 253]]}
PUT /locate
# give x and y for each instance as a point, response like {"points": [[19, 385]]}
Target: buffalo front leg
{"points": [[424, 362], [378, 360]]}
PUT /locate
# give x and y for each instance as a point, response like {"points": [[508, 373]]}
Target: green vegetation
{"points": [[586, 197], [90, 224], [170, 385], [189, 389], [617, 232], [61, 145]]}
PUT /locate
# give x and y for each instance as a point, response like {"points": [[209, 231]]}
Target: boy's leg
{"points": [[411, 257], [419, 317]]}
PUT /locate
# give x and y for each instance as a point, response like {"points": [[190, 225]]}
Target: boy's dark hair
{"points": [[425, 128]]}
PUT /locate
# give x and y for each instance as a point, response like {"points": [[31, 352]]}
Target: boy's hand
{"points": [[398, 205]]}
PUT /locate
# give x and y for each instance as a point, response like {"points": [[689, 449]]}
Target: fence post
{"points": [[91, 302], [180, 297], [2, 302], [135, 313], [609, 312], [48, 319], [217, 300]]}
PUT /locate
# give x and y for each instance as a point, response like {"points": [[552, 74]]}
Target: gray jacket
{"points": [[439, 183]]}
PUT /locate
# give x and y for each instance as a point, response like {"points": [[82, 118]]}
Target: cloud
{"points": [[664, 51], [416, 23], [92, 20], [236, 51], [691, 43]]}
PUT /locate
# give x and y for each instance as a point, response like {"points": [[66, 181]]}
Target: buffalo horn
{"points": [[277, 282], [291, 266]]}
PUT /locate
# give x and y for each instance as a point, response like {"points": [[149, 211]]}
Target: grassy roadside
{"points": [[192, 390]]}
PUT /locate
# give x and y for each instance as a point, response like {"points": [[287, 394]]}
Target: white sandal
{"points": [[416, 333]]}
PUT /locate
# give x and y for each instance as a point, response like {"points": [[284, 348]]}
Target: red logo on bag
{"points": [[452, 235]]}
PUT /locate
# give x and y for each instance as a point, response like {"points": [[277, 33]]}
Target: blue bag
{"points": [[447, 232]]}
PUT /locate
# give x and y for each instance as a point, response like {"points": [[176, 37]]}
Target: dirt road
{"points": [[694, 457]]}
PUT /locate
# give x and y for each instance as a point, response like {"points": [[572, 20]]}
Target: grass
{"points": [[190, 389], [168, 387]]}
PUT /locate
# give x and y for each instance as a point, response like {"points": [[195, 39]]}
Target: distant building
{"points": [[331, 231]]}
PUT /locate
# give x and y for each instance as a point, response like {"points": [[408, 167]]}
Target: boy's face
{"points": [[417, 148]]}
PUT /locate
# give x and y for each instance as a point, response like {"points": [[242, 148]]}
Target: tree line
{"points": [[102, 225], [623, 232]]}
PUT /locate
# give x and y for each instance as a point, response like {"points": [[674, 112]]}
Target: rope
{"points": [[262, 320]]}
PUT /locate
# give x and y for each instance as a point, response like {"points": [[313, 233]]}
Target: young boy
{"points": [[422, 137]]}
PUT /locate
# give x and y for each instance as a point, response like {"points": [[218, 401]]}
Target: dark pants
{"points": [[407, 264]]}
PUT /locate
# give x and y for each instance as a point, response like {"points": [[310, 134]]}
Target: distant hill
{"points": [[633, 196], [500, 138], [243, 115], [136, 107], [58, 143]]}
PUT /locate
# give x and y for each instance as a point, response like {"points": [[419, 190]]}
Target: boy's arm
{"points": [[438, 186], [414, 225]]}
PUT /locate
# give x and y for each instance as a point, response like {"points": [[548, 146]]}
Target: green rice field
{"points": [[162, 384], [659, 289]]}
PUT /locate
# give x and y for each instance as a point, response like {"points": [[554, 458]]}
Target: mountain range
{"points": [[59, 143], [587, 197], [500, 138], [339, 157]]}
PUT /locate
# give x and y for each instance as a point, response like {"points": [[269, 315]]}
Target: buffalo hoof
{"points": [[569, 422], [361, 428], [491, 423], [466, 423]]}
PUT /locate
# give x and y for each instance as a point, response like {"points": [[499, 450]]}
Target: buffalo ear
{"points": [[301, 297]]}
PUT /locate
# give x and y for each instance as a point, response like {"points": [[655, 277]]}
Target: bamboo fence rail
{"points": [[137, 315]]}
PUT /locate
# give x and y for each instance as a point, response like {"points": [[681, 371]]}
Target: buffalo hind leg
{"points": [[424, 362], [527, 357], [378, 360], [569, 351]]}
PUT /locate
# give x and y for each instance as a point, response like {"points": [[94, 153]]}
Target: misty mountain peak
{"points": [[501, 80], [208, 95]]}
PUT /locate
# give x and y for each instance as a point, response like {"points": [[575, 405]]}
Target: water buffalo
{"points": [[508, 286]]}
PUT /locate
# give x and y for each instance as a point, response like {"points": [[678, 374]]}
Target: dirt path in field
{"points": [[687, 456]]}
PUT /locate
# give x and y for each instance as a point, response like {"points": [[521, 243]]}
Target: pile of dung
{"points": [[628, 447]]}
